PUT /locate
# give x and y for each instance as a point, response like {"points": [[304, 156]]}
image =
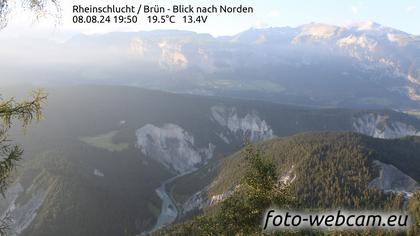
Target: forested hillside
{"points": [[325, 170]]}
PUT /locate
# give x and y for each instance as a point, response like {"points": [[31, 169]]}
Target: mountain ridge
{"points": [[314, 64]]}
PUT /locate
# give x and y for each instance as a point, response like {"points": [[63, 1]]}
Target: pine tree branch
{"points": [[24, 111]]}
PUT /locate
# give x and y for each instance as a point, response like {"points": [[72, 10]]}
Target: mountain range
{"points": [[357, 65]]}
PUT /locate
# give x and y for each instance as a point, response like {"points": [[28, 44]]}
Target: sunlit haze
{"points": [[403, 15]]}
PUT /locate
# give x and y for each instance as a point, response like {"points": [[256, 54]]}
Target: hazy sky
{"points": [[400, 14]]}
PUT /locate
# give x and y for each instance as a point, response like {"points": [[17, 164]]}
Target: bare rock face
{"points": [[391, 179], [250, 126], [172, 57], [381, 126], [197, 201], [172, 146], [22, 213]]}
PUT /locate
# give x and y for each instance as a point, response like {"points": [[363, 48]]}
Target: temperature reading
{"points": [[162, 19], [152, 14]]}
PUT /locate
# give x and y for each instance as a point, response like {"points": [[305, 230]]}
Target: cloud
{"points": [[260, 24], [355, 10], [410, 9], [274, 13]]}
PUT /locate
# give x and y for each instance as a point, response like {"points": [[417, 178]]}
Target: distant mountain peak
{"points": [[363, 25]]}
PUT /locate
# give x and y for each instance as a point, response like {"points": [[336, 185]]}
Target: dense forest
{"points": [[309, 171]]}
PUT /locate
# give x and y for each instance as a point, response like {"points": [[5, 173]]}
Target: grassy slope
{"points": [[105, 141]]}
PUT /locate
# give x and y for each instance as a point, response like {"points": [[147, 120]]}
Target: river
{"points": [[169, 211]]}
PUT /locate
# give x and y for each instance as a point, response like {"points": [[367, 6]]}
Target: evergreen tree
{"points": [[243, 211], [414, 210], [260, 188], [38, 7], [10, 153]]}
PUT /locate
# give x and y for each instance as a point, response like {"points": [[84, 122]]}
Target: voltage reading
{"points": [[195, 19]]}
